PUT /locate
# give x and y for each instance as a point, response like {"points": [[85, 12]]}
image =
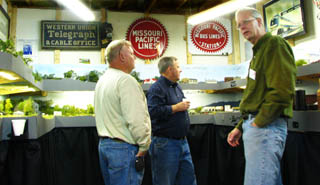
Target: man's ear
{"points": [[260, 21], [121, 57], [169, 69]]}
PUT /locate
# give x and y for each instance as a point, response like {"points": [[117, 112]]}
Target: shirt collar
{"points": [[168, 82], [261, 41]]}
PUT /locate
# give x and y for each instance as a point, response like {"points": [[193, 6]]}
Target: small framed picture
{"points": [[84, 60]]}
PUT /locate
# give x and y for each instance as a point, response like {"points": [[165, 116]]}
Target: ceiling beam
{"points": [[32, 1], [147, 12], [211, 3], [181, 4], [140, 3], [120, 3]]}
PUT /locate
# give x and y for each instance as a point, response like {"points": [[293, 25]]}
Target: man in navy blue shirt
{"points": [[171, 161]]}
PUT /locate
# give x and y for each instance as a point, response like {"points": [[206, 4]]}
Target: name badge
{"points": [[252, 74]]}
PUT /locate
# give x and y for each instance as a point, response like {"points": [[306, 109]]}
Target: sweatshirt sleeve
{"points": [[135, 111]]}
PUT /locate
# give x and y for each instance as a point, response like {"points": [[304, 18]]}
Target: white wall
{"points": [[28, 28]]}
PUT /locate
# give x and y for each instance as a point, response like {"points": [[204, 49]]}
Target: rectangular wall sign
{"points": [[70, 35]]}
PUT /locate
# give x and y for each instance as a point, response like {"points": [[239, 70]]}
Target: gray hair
{"points": [[254, 12], [114, 48], [165, 62]]}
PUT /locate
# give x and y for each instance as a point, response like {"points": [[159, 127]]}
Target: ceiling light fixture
{"points": [[220, 10], [78, 8]]}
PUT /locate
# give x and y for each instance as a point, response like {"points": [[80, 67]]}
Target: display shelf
{"points": [[36, 126], [219, 118], [309, 72], [306, 72], [219, 86], [15, 66], [302, 121], [67, 84], [16, 77], [20, 76]]}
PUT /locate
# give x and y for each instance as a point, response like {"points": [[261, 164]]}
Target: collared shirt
{"points": [[270, 82], [161, 96], [121, 110]]}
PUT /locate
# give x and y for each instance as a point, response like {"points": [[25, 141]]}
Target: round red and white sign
{"points": [[148, 37], [210, 36]]}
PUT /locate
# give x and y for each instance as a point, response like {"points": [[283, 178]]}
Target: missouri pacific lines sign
{"points": [[70, 35], [148, 37]]}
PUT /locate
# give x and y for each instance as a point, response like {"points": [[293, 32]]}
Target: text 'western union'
{"points": [[70, 27]]}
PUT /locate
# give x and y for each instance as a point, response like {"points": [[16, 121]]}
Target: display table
{"points": [[67, 154]]}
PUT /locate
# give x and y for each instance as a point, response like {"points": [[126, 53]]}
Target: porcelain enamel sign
{"points": [[148, 37], [211, 37]]}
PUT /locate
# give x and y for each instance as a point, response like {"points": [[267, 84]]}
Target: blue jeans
{"points": [[171, 162], [117, 163], [263, 149]]}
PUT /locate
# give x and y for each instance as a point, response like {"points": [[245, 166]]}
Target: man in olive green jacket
{"points": [[266, 103]]}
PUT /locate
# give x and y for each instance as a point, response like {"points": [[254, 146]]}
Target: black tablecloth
{"points": [[69, 156]]}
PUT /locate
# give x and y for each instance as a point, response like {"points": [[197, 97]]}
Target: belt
{"points": [[171, 137], [114, 139], [245, 116]]}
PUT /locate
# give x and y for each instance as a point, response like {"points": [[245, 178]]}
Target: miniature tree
{"points": [[50, 76], [77, 111], [1, 106], [93, 76], [57, 108], [45, 106], [82, 78], [20, 106], [69, 74], [28, 107], [82, 111], [72, 110], [66, 110], [198, 109], [37, 76], [90, 109], [8, 106]]}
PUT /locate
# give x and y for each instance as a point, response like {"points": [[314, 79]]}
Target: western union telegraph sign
{"points": [[70, 35]]}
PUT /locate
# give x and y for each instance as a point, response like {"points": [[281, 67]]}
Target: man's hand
{"points": [[254, 125], [233, 137], [181, 106]]}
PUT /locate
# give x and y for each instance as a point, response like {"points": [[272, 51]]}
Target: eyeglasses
{"points": [[245, 23]]}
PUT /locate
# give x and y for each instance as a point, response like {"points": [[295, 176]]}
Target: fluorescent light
{"points": [[8, 76], [220, 10], [78, 8], [28, 89]]}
